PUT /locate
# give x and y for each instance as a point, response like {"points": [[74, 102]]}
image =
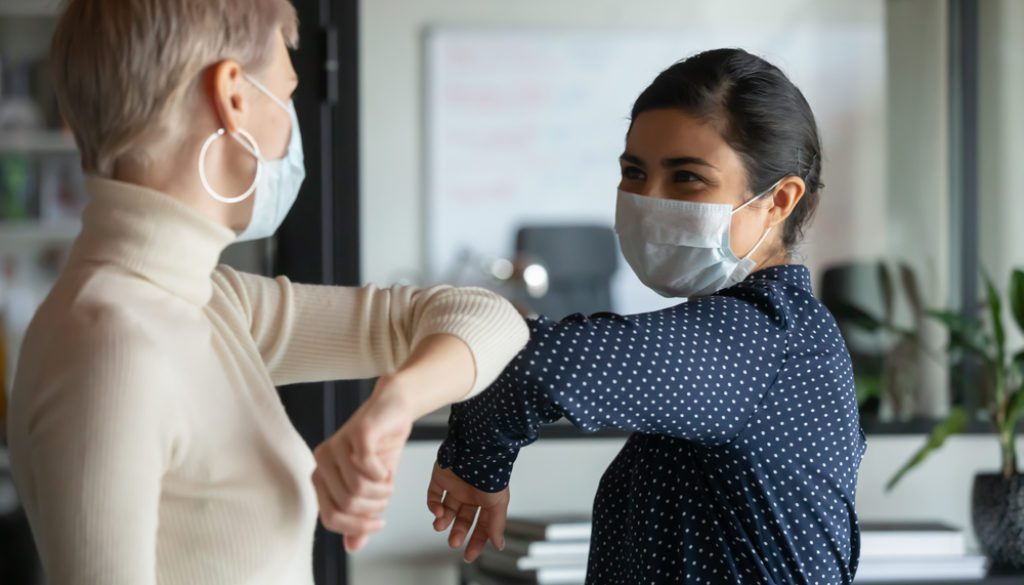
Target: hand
{"points": [[450, 498], [355, 470]]}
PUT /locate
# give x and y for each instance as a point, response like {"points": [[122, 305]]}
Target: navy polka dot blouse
{"points": [[742, 465]]}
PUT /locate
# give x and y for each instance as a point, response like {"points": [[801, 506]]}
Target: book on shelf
{"points": [[512, 562], [552, 528], [932, 570], [556, 575], [910, 539], [545, 548]]}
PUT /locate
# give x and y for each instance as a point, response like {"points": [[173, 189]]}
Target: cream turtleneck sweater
{"points": [[148, 441]]}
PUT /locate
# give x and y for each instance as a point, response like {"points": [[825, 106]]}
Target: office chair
{"points": [[580, 261]]}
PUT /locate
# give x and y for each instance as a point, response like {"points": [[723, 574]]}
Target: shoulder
{"points": [[100, 327]]}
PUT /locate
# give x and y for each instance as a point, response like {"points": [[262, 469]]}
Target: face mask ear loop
{"points": [[764, 236], [263, 89], [758, 196], [758, 244]]}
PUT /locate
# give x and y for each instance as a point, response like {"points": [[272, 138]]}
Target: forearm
{"points": [[438, 372], [310, 332], [486, 432]]}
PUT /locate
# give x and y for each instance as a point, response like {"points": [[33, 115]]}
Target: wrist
{"points": [[400, 391]]}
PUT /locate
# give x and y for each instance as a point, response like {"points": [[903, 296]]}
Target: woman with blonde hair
{"points": [[148, 442]]}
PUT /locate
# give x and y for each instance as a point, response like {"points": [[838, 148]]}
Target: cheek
{"points": [[272, 129], [744, 232]]}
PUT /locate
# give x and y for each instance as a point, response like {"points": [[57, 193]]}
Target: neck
{"points": [[148, 233], [774, 255], [177, 176]]}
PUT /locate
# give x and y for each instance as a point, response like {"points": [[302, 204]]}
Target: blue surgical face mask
{"points": [[277, 182]]}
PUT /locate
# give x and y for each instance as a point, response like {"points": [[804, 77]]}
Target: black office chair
{"points": [[580, 261]]}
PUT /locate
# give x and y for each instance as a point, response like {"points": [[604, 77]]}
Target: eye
{"points": [[631, 173], [686, 177]]}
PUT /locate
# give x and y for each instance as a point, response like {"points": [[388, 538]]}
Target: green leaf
{"points": [[867, 386], [995, 308], [1018, 362], [911, 288], [954, 423], [965, 334], [1014, 410], [1017, 297], [888, 292]]}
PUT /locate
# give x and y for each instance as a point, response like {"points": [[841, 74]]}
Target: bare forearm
{"points": [[438, 372]]}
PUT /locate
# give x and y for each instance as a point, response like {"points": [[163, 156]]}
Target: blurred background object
{"points": [[579, 262]]}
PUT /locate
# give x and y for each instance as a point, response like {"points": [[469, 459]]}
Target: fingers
{"points": [[490, 525], [337, 521], [463, 522], [356, 482], [355, 543], [390, 459], [435, 500], [368, 464], [478, 540], [358, 462], [451, 507], [345, 484], [496, 519], [344, 500]]}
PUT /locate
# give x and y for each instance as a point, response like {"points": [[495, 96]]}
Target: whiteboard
{"points": [[526, 126]]}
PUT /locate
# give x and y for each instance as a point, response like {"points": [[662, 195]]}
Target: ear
{"points": [[224, 84], [787, 194]]}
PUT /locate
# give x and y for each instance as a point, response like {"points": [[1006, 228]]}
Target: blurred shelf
{"points": [[49, 8], [923, 427], [435, 428], [473, 575], [16, 236], [563, 429], [37, 141]]}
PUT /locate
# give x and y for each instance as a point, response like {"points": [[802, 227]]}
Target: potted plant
{"points": [[886, 356], [997, 498]]}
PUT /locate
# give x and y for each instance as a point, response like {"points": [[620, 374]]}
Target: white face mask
{"points": [[681, 248], [277, 182]]}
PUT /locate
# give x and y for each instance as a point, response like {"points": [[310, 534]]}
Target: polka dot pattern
{"points": [[742, 466]]}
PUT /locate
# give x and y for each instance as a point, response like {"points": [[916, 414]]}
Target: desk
{"points": [[472, 575]]}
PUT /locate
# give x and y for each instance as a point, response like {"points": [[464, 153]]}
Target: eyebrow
{"points": [[669, 163]]}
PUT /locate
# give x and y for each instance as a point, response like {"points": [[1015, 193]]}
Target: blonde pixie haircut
{"points": [[125, 70]]}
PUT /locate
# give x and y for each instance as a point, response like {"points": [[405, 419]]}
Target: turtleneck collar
{"points": [[152, 235]]}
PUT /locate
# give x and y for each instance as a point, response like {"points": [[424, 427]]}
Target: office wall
{"points": [[562, 475]]}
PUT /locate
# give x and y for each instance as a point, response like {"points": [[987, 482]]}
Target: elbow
{"points": [[492, 328]]}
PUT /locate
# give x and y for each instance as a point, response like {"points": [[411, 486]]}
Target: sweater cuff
{"points": [[487, 323]]}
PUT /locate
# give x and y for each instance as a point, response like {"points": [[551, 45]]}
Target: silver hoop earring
{"points": [[253, 149]]}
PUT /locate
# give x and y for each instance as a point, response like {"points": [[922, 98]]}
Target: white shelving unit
{"points": [[36, 142], [29, 7], [28, 235]]}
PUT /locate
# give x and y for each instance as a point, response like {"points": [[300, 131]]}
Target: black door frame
{"points": [[319, 242]]}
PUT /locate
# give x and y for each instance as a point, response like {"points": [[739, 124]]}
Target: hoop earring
{"points": [[253, 149]]}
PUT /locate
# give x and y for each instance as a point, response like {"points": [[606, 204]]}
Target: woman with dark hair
{"points": [[742, 465]]}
